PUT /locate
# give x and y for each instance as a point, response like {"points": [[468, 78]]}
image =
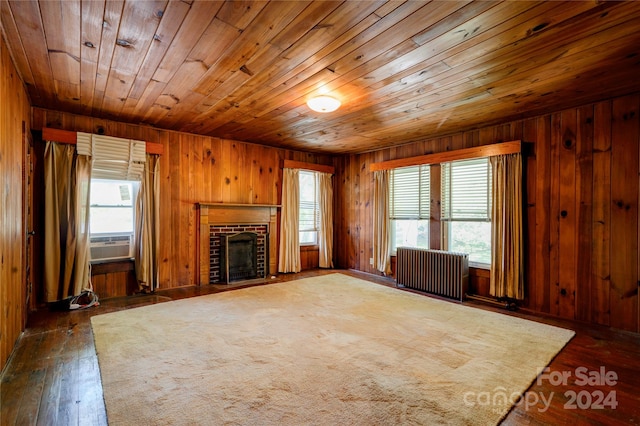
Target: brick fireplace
{"points": [[219, 258], [219, 219]]}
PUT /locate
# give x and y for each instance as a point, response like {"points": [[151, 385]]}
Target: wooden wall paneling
{"points": [[356, 214], [340, 219], [255, 172], [554, 213], [309, 257], [579, 179], [601, 218], [190, 174], [176, 168], [485, 135], [567, 222], [624, 214], [187, 249], [235, 164], [365, 207], [584, 211], [479, 282], [351, 215], [226, 171], [114, 279], [341, 230], [14, 120], [269, 186], [540, 290], [196, 193], [166, 227], [337, 216], [215, 165], [205, 162], [193, 147], [241, 172], [528, 132]]}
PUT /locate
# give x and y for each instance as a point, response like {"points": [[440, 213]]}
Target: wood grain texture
{"points": [[14, 123], [625, 131], [195, 169], [404, 71], [582, 168]]}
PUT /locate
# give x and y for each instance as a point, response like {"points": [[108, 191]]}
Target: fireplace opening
{"points": [[238, 256]]}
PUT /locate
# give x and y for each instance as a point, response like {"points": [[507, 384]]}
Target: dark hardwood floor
{"points": [[53, 376]]}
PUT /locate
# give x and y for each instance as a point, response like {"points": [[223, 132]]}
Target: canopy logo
{"points": [[585, 397]]}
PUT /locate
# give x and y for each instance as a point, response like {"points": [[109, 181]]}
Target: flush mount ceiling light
{"points": [[323, 103]]}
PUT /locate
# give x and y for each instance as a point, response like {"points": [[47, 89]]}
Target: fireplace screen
{"points": [[238, 256]]}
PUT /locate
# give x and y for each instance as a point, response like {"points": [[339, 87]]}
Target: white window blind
{"points": [[409, 195], [309, 219], [113, 158], [466, 190]]}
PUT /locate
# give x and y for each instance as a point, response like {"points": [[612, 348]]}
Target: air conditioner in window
{"points": [[110, 247]]}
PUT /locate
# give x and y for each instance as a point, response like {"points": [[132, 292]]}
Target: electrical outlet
{"points": [[371, 261]]}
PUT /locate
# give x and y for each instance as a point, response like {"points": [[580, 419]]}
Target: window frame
{"points": [[410, 210], [315, 229], [449, 216], [103, 242]]}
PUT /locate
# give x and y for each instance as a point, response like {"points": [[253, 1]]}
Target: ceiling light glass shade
{"points": [[323, 103]]}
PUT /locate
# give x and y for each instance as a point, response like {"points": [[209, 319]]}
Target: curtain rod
{"points": [[69, 137], [455, 155]]}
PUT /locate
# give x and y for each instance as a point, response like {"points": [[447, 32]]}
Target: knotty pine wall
{"points": [[582, 177], [14, 127], [194, 169]]}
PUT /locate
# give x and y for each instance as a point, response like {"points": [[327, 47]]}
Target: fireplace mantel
{"points": [[228, 213]]}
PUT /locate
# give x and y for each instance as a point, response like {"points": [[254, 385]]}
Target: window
{"points": [[309, 219], [112, 218], [409, 201], [112, 207], [116, 170], [466, 208]]}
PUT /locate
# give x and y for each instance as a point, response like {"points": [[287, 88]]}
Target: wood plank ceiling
{"points": [[243, 70]]}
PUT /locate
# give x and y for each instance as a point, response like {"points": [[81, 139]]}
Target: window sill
{"points": [[114, 260], [308, 246], [484, 266]]}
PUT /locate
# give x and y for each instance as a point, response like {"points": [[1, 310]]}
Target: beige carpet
{"points": [[329, 350]]}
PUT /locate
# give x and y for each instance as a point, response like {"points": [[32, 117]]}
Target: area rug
{"points": [[328, 350]]}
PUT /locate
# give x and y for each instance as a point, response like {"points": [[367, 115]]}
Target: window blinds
{"points": [[409, 195], [113, 158], [466, 190], [309, 219]]}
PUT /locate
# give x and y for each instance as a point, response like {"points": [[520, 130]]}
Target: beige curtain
{"points": [[381, 231], [147, 233], [289, 254], [325, 201], [66, 232], [506, 234]]}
